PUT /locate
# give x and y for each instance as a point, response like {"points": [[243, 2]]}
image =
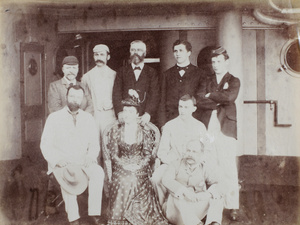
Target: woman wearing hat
{"points": [[131, 193]]}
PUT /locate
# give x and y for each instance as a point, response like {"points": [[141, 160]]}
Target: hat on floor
{"points": [[71, 178]]}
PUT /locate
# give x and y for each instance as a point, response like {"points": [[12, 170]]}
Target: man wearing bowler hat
{"points": [[58, 89], [70, 145]]}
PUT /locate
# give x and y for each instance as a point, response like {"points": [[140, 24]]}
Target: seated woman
{"points": [[132, 198]]}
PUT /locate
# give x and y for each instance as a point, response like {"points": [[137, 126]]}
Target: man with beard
{"points": [[70, 145], [140, 77], [193, 189], [58, 89], [183, 78]]}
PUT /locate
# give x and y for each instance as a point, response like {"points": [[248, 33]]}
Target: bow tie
{"points": [[183, 68], [137, 68], [71, 85]]}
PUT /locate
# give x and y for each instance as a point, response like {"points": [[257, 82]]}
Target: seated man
{"points": [[176, 133], [192, 188], [70, 144]]}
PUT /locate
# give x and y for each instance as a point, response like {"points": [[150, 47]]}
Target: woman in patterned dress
{"points": [[132, 198]]}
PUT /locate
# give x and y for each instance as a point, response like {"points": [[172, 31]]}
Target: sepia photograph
{"points": [[150, 112]]}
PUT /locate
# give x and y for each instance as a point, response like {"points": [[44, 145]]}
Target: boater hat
{"points": [[71, 178]]}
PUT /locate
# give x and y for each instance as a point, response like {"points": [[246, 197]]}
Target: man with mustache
{"points": [[140, 77], [193, 189], [58, 89], [99, 82], [70, 140]]}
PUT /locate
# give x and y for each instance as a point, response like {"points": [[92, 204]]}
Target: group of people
{"points": [[195, 174]]}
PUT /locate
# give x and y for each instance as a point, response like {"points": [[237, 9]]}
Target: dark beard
{"points": [[136, 59], [73, 106]]}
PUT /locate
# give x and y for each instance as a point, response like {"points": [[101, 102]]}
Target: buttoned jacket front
{"points": [[147, 87], [174, 86]]}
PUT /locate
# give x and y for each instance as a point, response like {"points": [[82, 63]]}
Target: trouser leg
{"points": [[96, 177], [71, 205], [159, 188]]}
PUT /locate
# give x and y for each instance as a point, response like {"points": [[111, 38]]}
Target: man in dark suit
{"points": [[222, 89], [57, 93], [181, 79], [219, 116], [140, 78]]}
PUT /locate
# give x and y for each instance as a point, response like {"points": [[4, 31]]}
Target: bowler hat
{"points": [[71, 178], [70, 60]]}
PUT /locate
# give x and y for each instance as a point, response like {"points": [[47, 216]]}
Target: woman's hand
{"points": [[132, 167]]}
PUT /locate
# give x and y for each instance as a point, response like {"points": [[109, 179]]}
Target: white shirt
{"points": [[137, 72], [62, 140], [69, 82], [100, 82], [176, 133]]}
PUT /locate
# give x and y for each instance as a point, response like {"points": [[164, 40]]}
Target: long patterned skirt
{"points": [[133, 200]]}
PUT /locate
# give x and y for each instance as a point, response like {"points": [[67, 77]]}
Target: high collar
{"points": [[188, 63], [142, 64]]}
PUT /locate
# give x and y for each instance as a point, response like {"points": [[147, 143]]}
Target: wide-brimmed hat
{"points": [[71, 178]]}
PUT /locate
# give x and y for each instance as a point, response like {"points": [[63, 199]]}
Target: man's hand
{"points": [[145, 119], [190, 195], [89, 161], [120, 117], [62, 163], [203, 196]]}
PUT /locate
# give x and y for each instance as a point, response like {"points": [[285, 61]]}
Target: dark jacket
{"points": [[147, 86], [174, 86], [223, 100]]}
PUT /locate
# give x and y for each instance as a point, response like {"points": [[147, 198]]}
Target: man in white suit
{"points": [[99, 81]]}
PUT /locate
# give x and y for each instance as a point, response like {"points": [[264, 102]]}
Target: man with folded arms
{"points": [[70, 145]]}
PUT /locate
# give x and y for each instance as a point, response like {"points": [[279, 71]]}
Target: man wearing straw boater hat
{"points": [[70, 144]]}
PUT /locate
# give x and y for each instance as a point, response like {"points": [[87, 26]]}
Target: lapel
{"points": [[130, 74], [223, 81], [214, 86], [143, 73], [64, 83]]}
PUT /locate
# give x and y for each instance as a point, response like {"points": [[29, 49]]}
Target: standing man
{"points": [[70, 145], [58, 89], [219, 116], [140, 77], [99, 82], [176, 134], [183, 78]]}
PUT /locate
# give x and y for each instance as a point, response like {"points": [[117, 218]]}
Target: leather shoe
{"points": [[75, 222], [214, 223], [98, 220], [233, 214]]}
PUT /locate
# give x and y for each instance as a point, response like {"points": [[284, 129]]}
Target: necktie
{"points": [[74, 117], [137, 68]]}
